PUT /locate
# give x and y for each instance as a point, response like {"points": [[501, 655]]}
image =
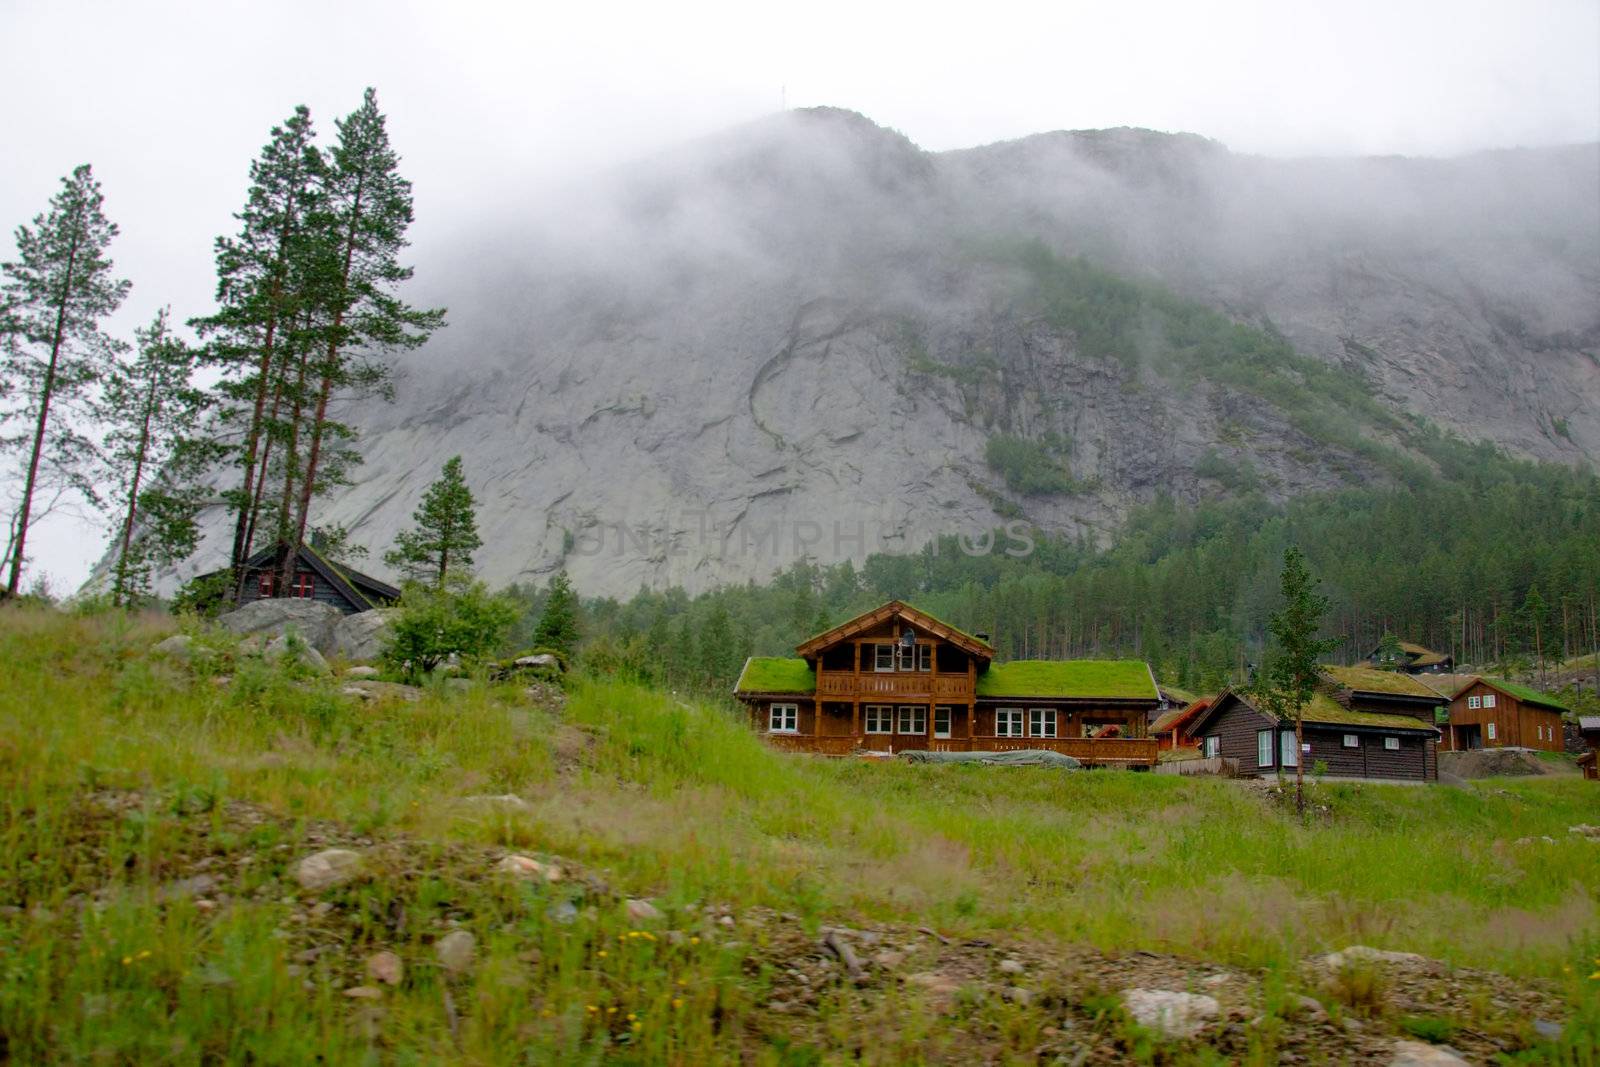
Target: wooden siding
{"points": [[1517, 725], [1236, 727]]}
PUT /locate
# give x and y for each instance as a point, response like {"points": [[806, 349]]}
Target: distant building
{"points": [[315, 578], [1415, 659], [1362, 723], [1589, 730], [1168, 728], [1495, 713]]}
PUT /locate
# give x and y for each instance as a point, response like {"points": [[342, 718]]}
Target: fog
{"points": [[560, 126]]}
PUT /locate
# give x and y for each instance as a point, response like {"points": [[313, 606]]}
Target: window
{"points": [[924, 657], [1008, 722], [1041, 722], [1488, 700], [1352, 741], [264, 586], [883, 657], [1287, 748], [1263, 748], [784, 719], [303, 584], [1392, 744], [941, 720], [1489, 729], [880, 719], [1213, 746], [913, 719], [1474, 702]]}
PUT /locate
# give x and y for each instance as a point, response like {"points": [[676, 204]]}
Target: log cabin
{"points": [[1494, 713], [896, 678], [1589, 730], [1415, 659], [1360, 724], [315, 578]]}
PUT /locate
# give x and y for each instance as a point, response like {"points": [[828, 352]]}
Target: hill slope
{"points": [[808, 335]]}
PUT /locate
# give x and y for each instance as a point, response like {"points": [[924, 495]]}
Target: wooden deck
{"points": [[1092, 751]]}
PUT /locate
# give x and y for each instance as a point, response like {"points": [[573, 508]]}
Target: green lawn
{"points": [[676, 801]]}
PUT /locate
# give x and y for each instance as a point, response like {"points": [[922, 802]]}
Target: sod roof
{"points": [[1069, 679], [1174, 718], [1388, 683], [1326, 711], [776, 674], [1526, 695]]}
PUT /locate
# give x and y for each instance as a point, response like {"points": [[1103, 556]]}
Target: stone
{"points": [[1307, 1007], [364, 992], [355, 691], [888, 959], [1010, 966], [178, 646], [1585, 830], [641, 911], [1335, 961], [1548, 1030], [456, 951], [1417, 1054], [184, 888], [542, 660], [499, 801], [361, 636], [361, 671], [328, 868], [1017, 995], [529, 869], [941, 989], [379, 690], [726, 920], [1173, 1015], [313, 620], [278, 650], [385, 967]]}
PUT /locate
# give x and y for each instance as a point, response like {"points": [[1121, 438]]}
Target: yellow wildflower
{"points": [[127, 960], [602, 953], [636, 1027], [677, 1002], [611, 1011], [694, 941]]}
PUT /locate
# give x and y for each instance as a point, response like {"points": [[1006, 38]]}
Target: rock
{"points": [[328, 868], [364, 992], [183, 888], [1305, 1007], [1009, 966], [502, 801], [1335, 961], [355, 691], [940, 988], [361, 636], [380, 690], [1173, 1015], [1417, 1054], [456, 951], [178, 646], [726, 920], [542, 660], [1585, 830], [1548, 1030], [530, 869], [313, 620], [385, 967], [641, 911], [279, 650], [889, 959], [1216, 981], [361, 671], [1017, 995]]}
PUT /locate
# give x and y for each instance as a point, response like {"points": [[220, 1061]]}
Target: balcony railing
{"points": [[900, 684]]}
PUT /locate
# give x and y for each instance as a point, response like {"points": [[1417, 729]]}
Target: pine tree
{"points": [[56, 292], [1289, 680], [558, 625], [446, 533], [1389, 651], [152, 409], [367, 210]]}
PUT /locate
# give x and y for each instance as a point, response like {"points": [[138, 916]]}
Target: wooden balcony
{"points": [[1091, 751], [900, 685]]}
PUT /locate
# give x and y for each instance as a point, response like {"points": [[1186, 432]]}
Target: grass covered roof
{"points": [[776, 674], [1389, 683], [1106, 679], [1526, 694]]}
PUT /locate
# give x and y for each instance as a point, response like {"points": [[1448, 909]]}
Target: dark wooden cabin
{"points": [[1589, 730], [315, 578], [1362, 723], [897, 678], [1495, 713]]}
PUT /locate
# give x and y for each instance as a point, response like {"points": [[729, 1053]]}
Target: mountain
{"points": [[810, 336]]}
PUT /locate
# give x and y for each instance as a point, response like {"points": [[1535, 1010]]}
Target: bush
{"points": [[205, 595], [463, 619], [1028, 467]]}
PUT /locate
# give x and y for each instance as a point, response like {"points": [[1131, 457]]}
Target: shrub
{"points": [[1028, 467], [462, 619], [205, 595]]}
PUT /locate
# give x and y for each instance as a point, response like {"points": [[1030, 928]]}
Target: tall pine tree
{"points": [[446, 533], [558, 625], [56, 292]]}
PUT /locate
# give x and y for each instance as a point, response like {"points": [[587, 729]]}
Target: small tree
{"points": [[558, 625], [1389, 652], [446, 532], [1289, 680], [435, 623]]}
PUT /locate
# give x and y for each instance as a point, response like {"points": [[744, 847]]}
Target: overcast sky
{"points": [[489, 103]]}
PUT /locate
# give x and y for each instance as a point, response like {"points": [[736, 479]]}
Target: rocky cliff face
{"points": [[803, 336]]}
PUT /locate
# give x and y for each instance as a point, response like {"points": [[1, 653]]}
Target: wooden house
{"points": [[1361, 723], [1495, 713], [1415, 659], [1169, 727], [1589, 730], [315, 578], [896, 678]]}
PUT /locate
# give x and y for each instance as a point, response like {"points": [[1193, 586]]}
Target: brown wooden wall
{"points": [[1517, 725], [1236, 727]]}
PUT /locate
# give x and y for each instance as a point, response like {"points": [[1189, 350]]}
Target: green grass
{"points": [[1109, 678], [776, 674], [678, 801]]}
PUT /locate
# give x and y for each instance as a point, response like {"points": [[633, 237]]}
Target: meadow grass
{"points": [[672, 799]]}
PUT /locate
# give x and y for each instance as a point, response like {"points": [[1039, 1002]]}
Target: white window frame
{"points": [[1352, 741], [1042, 722], [1288, 748], [925, 658], [879, 652], [1392, 744], [1489, 700], [1489, 731], [946, 712], [911, 720], [780, 714], [1263, 748], [1213, 746], [1008, 722], [880, 718], [1474, 702]]}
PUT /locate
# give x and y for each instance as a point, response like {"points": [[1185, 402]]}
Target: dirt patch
{"points": [[1499, 763]]}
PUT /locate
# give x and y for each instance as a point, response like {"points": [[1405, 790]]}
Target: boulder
{"points": [[456, 951], [641, 911], [178, 646], [361, 673], [313, 620], [1335, 961], [328, 868], [529, 869], [1417, 1054], [543, 660], [372, 690], [1173, 1015], [361, 636], [385, 967], [278, 649]]}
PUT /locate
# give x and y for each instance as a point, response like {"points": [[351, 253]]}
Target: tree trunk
{"points": [[254, 504], [20, 543], [291, 460], [120, 585]]}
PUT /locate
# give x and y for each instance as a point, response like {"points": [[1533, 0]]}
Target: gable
{"points": [[1519, 692], [884, 621]]}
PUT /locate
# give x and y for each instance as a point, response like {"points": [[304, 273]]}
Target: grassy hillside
{"points": [[154, 813]]}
